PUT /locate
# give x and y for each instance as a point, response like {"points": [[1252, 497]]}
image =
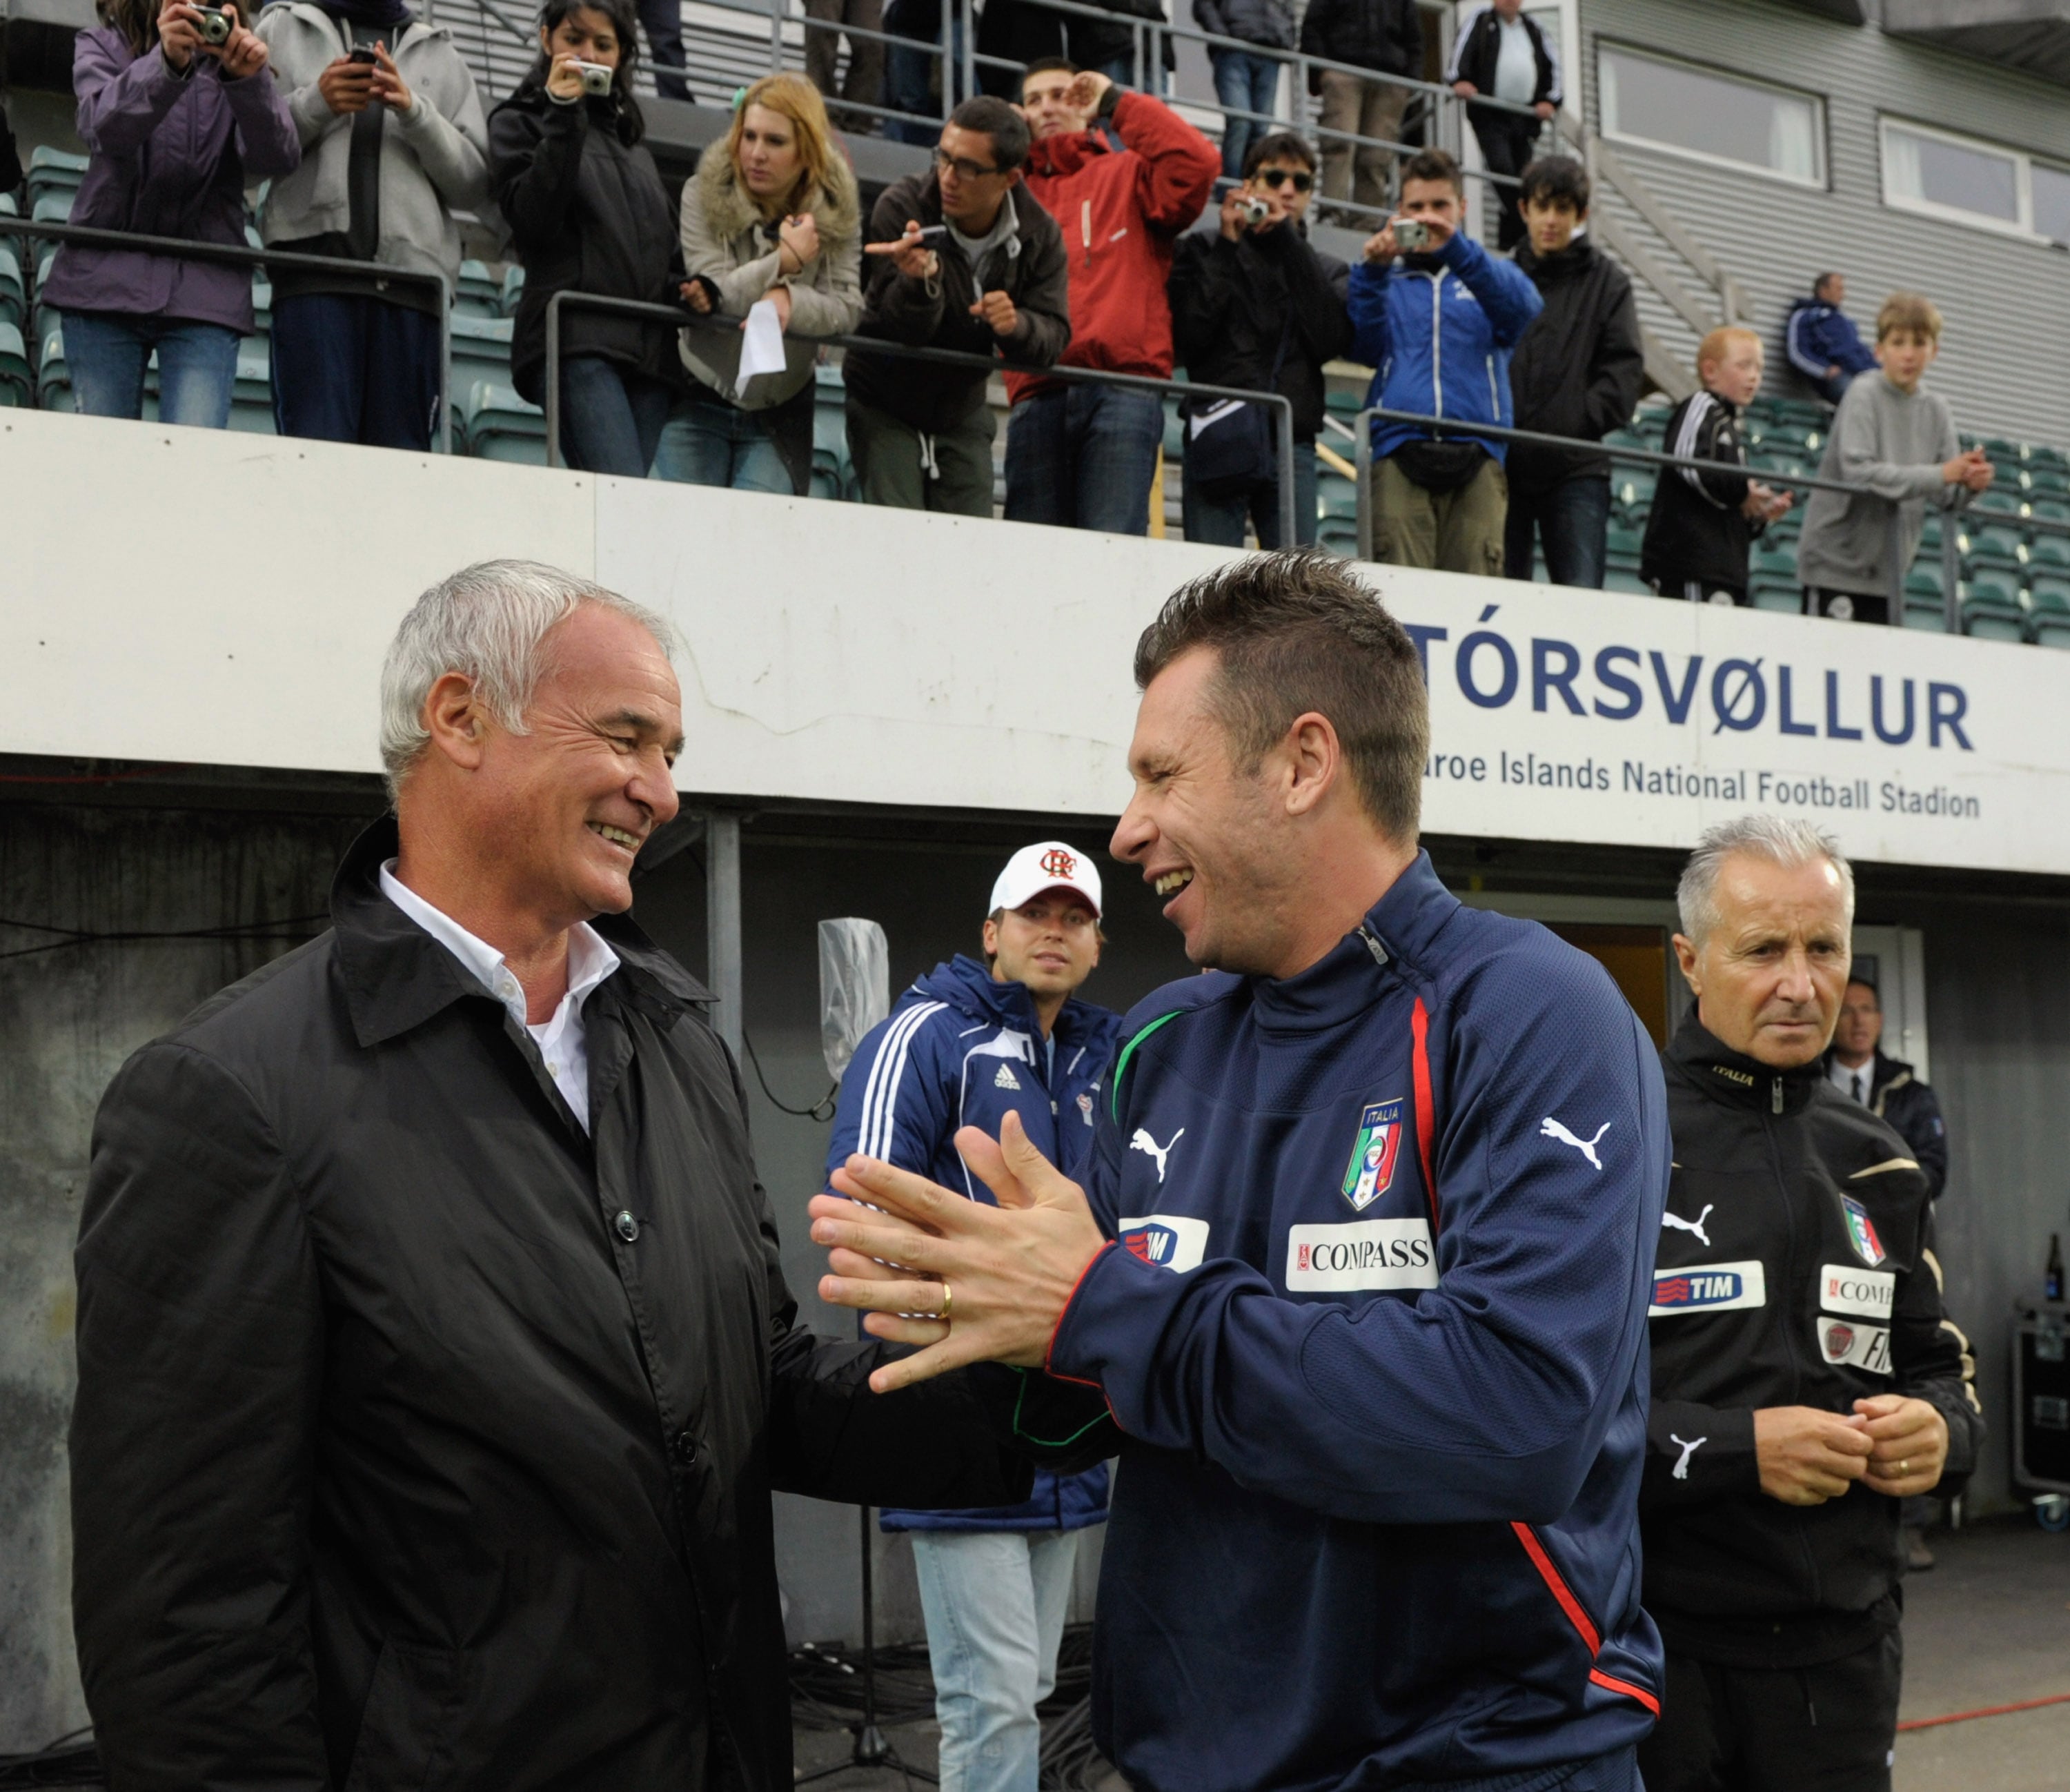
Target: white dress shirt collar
{"points": [[1843, 1079], [562, 1041]]}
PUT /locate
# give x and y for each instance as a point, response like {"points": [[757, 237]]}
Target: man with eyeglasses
{"points": [[1085, 455], [1255, 304], [963, 258]]}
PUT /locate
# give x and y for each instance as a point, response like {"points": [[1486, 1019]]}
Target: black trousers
{"points": [[1846, 606], [1506, 144], [1827, 1729]]}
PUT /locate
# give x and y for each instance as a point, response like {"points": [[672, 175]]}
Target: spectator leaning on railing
{"points": [[1502, 54], [963, 258], [1385, 35], [1439, 323], [1703, 523], [1822, 341], [392, 144], [588, 213], [1083, 455], [1900, 441], [1257, 306], [1576, 372], [177, 128], [1244, 82], [771, 214]]}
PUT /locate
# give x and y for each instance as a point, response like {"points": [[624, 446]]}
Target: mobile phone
{"points": [[361, 53]]}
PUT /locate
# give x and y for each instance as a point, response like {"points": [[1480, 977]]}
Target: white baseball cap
{"points": [[1047, 865]]}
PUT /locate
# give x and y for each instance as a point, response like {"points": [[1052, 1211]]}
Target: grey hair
{"points": [[489, 623], [1775, 838]]}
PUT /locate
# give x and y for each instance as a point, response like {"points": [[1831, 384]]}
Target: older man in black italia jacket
{"points": [[434, 1361], [1806, 1379]]}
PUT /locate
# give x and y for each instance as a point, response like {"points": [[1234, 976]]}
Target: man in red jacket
{"points": [[1083, 454]]}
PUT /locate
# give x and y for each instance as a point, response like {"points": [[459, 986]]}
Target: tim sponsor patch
{"points": [[1360, 1254], [1844, 1288], [1708, 1288], [1864, 1347], [1170, 1240]]}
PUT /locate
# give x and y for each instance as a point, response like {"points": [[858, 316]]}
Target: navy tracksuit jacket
{"points": [[960, 1050], [1374, 1330]]}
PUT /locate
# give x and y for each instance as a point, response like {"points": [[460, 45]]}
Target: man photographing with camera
{"points": [[1425, 300]]}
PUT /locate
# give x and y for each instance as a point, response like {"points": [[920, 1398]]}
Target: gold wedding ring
{"points": [[1903, 1468], [948, 1300]]}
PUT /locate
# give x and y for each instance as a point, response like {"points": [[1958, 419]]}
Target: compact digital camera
{"points": [[215, 25], [1253, 209], [596, 77], [1412, 236]]}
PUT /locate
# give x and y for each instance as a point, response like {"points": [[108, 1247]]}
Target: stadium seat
{"points": [[18, 378], [53, 382], [480, 349], [1782, 596], [498, 425], [513, 290], [1997, 539], [1627, 578], [2048, 614], [2045, 548], [1337, 536], [50, 172], [14, 287], [479, 294], [262, 307], [1991, 608], [252, 396]]}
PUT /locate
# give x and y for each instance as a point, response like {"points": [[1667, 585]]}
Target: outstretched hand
{"points": [[1009, 1271]]}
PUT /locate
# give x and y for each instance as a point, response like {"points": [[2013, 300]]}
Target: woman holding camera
{"points": [[588, 214], [772, 214], [180, 116]]}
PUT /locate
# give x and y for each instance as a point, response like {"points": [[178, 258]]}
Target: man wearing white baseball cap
{"points": [[966, 1043]]}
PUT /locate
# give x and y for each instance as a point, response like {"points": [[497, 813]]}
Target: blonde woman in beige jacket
{"points": [[771, 214]]}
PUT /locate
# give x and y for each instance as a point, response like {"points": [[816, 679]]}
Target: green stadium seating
{"points": [[53, 382], [1783, 596], [1992, 609], [480, 349], [513, 290], [479, 294], [18, 378], [498, 425], [14, 287]]}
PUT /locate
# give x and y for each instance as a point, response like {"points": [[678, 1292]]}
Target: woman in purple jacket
{"points": [[178, 126]]}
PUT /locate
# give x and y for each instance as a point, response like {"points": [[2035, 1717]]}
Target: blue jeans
{"points": [[1219, 520], [1243, 83], [994, 1602], [355, 369], [1083, 457], [704, 443], [908, 78], [612, 416], [1572, 519], [105, 354]]}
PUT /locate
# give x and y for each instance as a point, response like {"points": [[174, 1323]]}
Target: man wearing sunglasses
{"points": [[1084, 456], [962, 258], [1255, 304]]}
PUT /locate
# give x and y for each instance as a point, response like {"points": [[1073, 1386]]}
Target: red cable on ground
{"points": [[1986, 1711]]}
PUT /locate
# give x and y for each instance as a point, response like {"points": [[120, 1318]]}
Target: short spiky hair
{"points": [[1296, 632], [996, 119], [1435, 165]]}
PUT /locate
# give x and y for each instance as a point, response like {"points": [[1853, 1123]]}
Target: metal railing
{"points": [[562, 303], [1900, 567], [383, 273]]}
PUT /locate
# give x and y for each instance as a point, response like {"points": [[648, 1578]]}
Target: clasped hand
{"points": [[1009, 1270], [1891, 1443]]}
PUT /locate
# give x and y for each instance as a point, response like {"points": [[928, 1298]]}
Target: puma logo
{"points": [[1550, 1128], [1695, 1226], [1143, 1142], [1681, 1471]]}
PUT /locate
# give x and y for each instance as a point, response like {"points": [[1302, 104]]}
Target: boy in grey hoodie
{"points": [[1900, 441], [391, 148]]}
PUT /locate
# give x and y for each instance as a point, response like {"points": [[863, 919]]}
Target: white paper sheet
{"points": [[763, 351]]}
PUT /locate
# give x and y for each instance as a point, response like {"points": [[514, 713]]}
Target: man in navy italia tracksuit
{"points": [[1359, 1271]]}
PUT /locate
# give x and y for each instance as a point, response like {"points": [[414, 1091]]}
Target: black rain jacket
{"points": [[1233, 302], [937, 311], [422, 1439], [1796, 1268], [1897, 1095], [1385, 34], [1696, 532], [1578, 369], [587, 213]]}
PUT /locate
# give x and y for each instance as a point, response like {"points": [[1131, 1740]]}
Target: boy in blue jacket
{"points": [[1438, 324], [968, 1044], [1359, 1270]]}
